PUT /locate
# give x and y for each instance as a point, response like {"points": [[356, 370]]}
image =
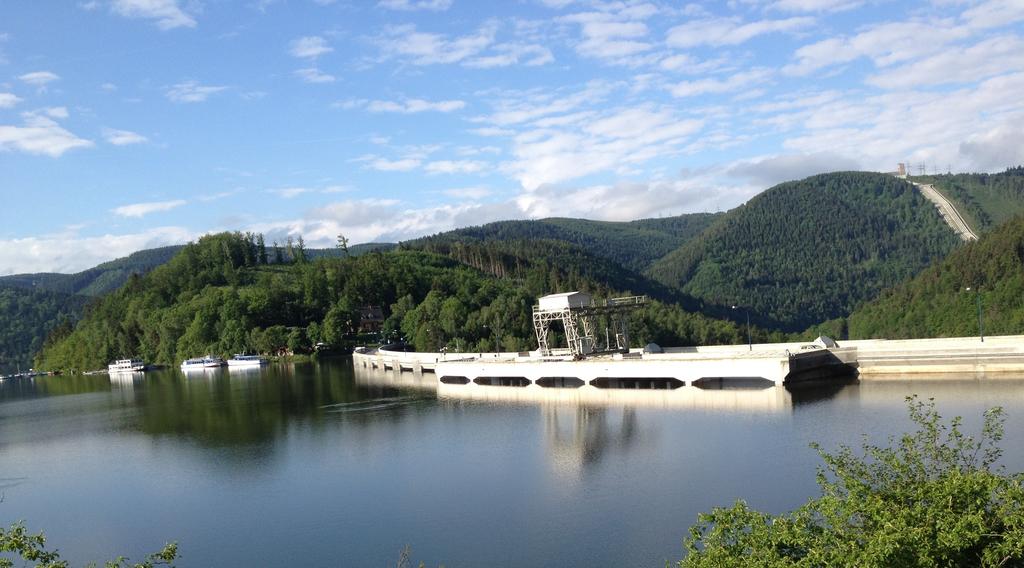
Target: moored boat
{"points": [[127, 366], [207, 362], [247, 361]]}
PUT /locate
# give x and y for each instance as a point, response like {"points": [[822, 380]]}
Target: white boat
{"points": [[208, 362], [247, 361], [126, 366]]}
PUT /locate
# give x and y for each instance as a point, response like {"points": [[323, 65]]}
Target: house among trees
{"points": [[371, 319]]}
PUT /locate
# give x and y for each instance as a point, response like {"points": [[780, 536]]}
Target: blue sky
{"points": [[128, 124]]}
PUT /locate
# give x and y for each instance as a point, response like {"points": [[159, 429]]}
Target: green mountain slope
{"points": [[213, 297], [936, 303], [26, 317], [97, 280], [634, 244], [808, 251], [985, 200]]}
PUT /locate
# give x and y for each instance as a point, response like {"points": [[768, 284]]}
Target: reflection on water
{"points": [[580, 437]]}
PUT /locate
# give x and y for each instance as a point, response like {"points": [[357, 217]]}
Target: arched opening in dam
{"points": [[502, 381], [733, 383], [560, 382], [649, 383]]}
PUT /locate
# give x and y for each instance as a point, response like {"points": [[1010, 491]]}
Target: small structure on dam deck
{"points": [[578, 313]]}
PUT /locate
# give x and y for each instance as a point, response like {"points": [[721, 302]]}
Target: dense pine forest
{"points": [[937, 303], [25, 317], [808, 251], [635, 244]]}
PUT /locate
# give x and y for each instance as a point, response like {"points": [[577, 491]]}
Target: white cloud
{"points": [[412, 106], [920, 126], [122, 137], [71, 252], [381, 220], [167, 13], [993, 14], [422, 48], [309, 47], [290, 192], [615, 37], [885, 44], [455, 167], [479, 49], [507, 54], [56, 112], [313, 75], [994, 149], [400, 165], [413, 5], [143, 209], [520, 107], [815, 5], [615, 142], [626, 201], [741, 80], [192, 92], [471, 193], [729, 31], [956, 64], [766, 172], [39, 78], [40, 135], [8, 100]]}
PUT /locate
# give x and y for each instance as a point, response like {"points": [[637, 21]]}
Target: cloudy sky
{"points": [[128, 124]]}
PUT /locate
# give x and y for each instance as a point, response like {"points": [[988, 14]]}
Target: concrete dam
{"points": [[584, 366]]}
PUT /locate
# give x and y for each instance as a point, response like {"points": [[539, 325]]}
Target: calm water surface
{"points": [[316, 465]]}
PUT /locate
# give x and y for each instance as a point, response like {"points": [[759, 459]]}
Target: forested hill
{"points": [[219, 295], [26, 316], [97, 280], [985, 200], [936, 302], [807, 251], [536, 262], [634, 244]]}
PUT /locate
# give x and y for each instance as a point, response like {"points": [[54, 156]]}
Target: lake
{"points": [[315, 464]]}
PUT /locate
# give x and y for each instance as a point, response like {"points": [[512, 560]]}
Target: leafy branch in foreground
{"points": [[935, 497], [32, 548]]}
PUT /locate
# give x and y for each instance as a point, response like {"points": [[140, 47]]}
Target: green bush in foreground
{"points": [[32, 550], [934, 498]]}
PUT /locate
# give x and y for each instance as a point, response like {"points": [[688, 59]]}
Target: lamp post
{"points": [[977, 297], [750, 342]]}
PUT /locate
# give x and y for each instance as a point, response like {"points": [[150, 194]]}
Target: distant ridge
{"points": [[95, 281], [633, 244]]}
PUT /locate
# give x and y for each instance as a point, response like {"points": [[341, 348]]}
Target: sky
{"points": [[131, 124]]}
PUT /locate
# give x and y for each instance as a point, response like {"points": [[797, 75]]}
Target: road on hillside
{"points": [[948, 212]]}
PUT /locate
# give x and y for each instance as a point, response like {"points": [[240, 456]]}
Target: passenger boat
{"points": [[247, 361], [208, 362], [126, 366]]}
